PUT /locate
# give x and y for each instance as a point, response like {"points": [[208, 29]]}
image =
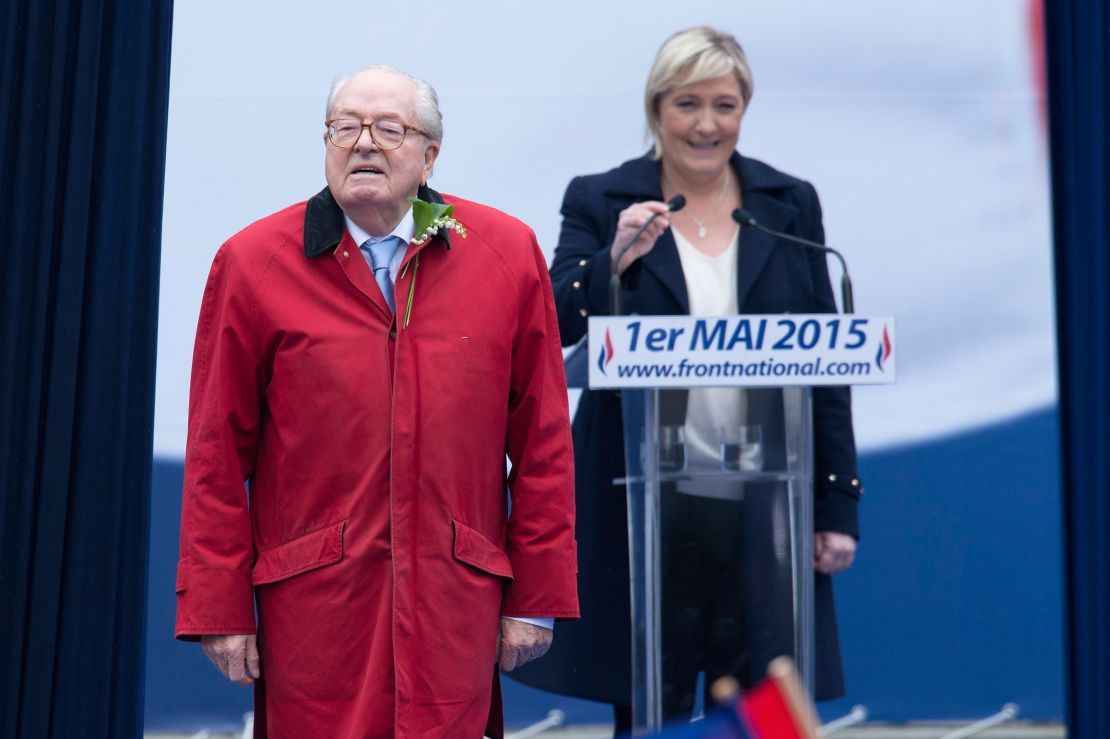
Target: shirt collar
{"points": [[324, 225], [404, 230]]}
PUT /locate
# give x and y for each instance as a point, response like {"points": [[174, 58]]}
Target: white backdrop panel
{"points": [[918, 122]]}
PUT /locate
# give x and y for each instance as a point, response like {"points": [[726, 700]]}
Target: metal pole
{"points": [[857, 715], [641, 417], [653, 566], [1008, 712], [554, 718], [798, 402]]}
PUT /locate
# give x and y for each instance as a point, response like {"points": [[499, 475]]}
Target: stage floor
{"points": [[923, 730]]}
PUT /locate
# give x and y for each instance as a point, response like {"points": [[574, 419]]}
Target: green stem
{"points": [[412, 290]]}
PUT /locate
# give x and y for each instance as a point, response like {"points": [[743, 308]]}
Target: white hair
{"points": [[429, 119]]}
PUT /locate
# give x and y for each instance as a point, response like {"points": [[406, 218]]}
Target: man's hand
{"points": [[520, 643], [833, 552], [235, 656]]}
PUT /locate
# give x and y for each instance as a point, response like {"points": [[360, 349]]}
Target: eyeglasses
{"points": [[387, 134]]}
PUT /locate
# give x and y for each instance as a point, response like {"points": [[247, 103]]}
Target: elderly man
{"points": [[367, 371]]}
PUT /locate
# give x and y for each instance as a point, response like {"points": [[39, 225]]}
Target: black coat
{"points": [[591, 658]]}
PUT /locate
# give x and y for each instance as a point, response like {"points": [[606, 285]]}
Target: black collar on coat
{"points": [[324, 225], [762, 190]]}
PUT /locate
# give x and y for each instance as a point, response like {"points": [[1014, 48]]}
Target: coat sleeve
{"points": [[540, 540], [580, 269], [836, 480], [214, 591]]}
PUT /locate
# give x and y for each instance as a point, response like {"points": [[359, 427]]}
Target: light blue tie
{"points": [[380, 256]]}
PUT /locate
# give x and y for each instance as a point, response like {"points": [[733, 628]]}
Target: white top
{"points": [[711, 288]]}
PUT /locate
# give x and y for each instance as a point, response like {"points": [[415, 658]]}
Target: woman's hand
{"points": [[833, 552], [629, 221]]}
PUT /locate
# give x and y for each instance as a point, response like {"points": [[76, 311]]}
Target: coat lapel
{"points": [[762, 189], [636, 181], [325, 231], [663, 262], [761, 195], [324, 226]]}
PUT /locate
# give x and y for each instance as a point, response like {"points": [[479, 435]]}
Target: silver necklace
{"points": [[702, 230]]}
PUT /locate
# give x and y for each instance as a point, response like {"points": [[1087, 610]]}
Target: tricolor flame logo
{"points": [[606, 355], [885, 350]]}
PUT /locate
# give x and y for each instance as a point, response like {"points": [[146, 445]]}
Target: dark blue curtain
{"points": [[84, 89], [1078, 44]]}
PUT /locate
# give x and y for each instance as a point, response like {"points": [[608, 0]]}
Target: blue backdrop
{"points": [[953, 608]]}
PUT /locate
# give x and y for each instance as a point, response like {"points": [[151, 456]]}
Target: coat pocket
{"points": [[478, 551], [309, 551]]}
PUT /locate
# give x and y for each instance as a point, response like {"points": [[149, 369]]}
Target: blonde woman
{"points": [[694, 262]]}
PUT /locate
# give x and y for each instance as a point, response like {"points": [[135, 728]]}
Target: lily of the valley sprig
{"points": [[428, 219]]}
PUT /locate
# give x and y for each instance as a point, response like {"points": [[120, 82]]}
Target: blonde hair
{"points": [[690, 56]]}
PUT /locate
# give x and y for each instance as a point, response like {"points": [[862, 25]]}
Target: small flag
{"points": [[777, 708]]}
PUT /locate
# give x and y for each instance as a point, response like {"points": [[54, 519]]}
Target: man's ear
{"points": [[431, 151]]}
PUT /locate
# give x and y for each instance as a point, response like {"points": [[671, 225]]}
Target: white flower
{"points": [[433, 228]]}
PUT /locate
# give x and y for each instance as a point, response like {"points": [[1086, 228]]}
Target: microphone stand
{"points": [[744, 218], [678, 202]]}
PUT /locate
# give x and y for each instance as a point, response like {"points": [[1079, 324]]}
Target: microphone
{"points": [[678, 202], [744, 218]]}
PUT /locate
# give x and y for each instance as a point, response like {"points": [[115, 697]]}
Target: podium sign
{"points": [[718, 446], [740, 351]]}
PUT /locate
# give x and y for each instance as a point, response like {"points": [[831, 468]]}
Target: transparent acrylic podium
{"points": [[674, 475], [718, 450]]}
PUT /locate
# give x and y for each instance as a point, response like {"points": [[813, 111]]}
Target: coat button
{"points": [[392, 334], [832, 478], [344, 253], [582, 262], [583, 312], [577, 285]]}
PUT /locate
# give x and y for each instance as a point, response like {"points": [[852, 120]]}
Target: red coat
{"points": [[377, 539]]}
